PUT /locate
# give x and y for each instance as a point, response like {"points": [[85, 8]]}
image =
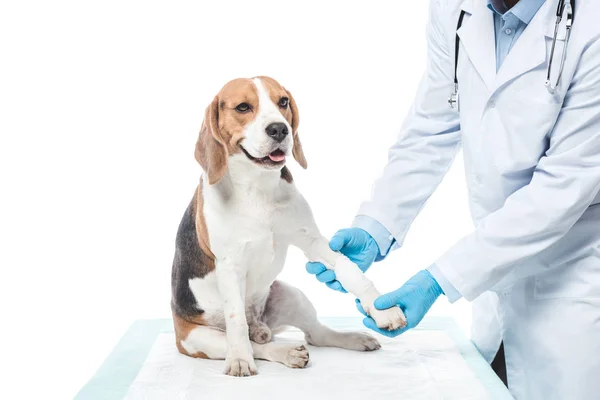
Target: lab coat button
{"points": [[508, 31], [478, 178], [492, 104]]}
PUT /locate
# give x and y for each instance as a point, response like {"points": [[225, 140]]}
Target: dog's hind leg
{"points": [[288, 306], [259, 331], [201, 341]]}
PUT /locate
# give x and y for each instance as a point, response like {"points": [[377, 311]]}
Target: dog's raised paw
{"points": [[390, 319], [240, 367]]}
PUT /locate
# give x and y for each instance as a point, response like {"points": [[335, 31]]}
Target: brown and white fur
{"points": [[233, 239]]}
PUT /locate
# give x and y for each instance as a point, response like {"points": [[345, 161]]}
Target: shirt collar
{"points": [[525, 10]]}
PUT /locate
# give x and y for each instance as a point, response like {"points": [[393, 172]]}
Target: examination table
{"points": [[434, 361]]}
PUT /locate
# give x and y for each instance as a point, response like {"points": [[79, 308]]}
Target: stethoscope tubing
{"points": [[562, 5]]}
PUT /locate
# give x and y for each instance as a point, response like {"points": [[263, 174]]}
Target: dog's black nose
{"points": [[277, 130]]}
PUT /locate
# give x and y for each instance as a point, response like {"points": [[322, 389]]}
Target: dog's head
{"points": [[257, 117]]}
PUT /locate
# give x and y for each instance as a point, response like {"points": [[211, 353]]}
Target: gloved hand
{"points": [[415, 298], [354, 243]]}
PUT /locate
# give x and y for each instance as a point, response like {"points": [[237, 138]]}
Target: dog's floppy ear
{"points": [[297, 149], [211, 152]]}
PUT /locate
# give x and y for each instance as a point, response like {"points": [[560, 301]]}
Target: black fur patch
{"points": [[189, 262], [286, 175]]}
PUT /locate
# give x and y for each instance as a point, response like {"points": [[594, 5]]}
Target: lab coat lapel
{"points": [[477, 37], [528, 52]]}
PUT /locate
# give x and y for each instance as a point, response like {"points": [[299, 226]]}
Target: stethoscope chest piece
{"points": [[454, 99]]}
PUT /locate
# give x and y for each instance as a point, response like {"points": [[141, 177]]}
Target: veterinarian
{"points": [[528, 121]]}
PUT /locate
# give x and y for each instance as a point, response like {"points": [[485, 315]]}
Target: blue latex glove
{"points": [[354, 243], [415, 298]]}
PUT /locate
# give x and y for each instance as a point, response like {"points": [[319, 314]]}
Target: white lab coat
{"points": [[532, 161]]}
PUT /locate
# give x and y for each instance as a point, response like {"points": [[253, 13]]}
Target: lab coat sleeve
{"points": [[382, 236], [449, 290], [564, 184], [427, 143]]}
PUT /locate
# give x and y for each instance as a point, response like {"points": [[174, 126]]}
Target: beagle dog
{"points": [[232, 241]]}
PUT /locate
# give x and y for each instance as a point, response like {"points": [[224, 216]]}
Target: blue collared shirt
{"points": [[509, 24]]}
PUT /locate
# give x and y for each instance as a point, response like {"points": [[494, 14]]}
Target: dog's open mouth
{"points": [[276, 157]]}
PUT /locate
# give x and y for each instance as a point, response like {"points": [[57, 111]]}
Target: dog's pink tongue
{"points": [[277, 156]]}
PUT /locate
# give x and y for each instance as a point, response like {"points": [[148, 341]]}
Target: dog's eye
{"points": [[283, 102], [243, 107]]}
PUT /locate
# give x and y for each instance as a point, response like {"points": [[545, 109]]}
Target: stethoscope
{"points": [[563, 6]]}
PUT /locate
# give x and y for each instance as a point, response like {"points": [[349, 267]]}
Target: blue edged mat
{"points": [[119, 371]]}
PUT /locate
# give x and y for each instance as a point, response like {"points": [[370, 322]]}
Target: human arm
{"points": [[565, 182], [425, 148]]}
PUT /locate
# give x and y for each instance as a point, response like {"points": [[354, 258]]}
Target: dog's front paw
{"points": [[240, 367], [390, 319], [260, 333]]}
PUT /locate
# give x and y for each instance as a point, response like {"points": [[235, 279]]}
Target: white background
{"points": [[100, 107]]}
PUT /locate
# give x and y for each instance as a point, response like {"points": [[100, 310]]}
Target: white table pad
{"points": [[433, 362]]}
